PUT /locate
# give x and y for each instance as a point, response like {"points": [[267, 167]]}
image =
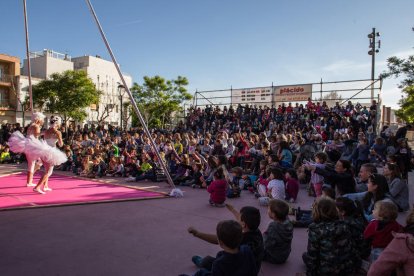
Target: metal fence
{"points": [[362, 91]]}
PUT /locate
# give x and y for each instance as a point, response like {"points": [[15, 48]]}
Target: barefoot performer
{"points": [[54, 156], [18, 142]]}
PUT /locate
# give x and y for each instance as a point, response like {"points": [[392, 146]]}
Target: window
{"points": [[4, 97]]}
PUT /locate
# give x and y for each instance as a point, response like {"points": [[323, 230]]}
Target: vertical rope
{"points": [[141, 119], [29, 68]]}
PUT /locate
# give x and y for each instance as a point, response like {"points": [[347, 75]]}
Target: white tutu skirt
{"points": [[40, 149], [17, 142], [36, 149]]}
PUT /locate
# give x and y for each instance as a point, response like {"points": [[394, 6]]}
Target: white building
{"points": [[102, 72], [105, 76], [47, 62], [22, 96]]}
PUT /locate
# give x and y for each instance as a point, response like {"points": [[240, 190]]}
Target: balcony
{"points": [[6, 80], [4, 106]]}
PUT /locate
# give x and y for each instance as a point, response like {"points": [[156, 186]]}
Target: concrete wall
{"points": [[43, 66]]}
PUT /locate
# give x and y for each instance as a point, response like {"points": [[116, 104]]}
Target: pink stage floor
{"points": [[66, 191]]}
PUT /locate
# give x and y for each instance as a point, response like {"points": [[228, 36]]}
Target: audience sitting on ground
{"points": [[398, 257]]}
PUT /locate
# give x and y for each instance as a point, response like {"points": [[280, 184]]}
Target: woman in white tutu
{"points": [[18, 142], [49, 154]]}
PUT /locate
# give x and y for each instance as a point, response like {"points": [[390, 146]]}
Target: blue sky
{"points": [[216, 44]]}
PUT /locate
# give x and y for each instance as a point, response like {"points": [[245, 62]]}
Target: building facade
{"points": [[103, 74], [9, 72], [113, 99]]}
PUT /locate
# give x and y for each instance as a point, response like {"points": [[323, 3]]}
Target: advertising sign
{"points": [[251, 95], [292, 93]]}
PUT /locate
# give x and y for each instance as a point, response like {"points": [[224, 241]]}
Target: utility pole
{"points": [[120, 87], [373, 50]]}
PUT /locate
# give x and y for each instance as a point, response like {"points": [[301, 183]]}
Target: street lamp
{"points": [[120, 87], [373, 50]]}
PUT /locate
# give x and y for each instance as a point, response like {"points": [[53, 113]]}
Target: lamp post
{"points": [[120, 87], [373, 50]]}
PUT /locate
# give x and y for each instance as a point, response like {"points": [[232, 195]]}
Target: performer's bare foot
{"points": [[47, 189], [39, 191], [30, 185]]}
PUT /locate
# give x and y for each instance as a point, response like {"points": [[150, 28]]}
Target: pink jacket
{"points": [[397, 256], [217, 190]]}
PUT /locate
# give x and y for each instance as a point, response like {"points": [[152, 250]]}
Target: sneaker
{"points": [[193, 186], [30, 185], [130, 179], [197, 260]]}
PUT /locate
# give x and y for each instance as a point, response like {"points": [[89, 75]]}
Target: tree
{"points": [[403, 67], [331, 98], [67, 93], [158, 99]]}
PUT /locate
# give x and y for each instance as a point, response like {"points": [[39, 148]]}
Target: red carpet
{"points": [[66, 191]]}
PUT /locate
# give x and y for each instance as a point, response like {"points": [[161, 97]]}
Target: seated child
{"points": [[194, 176], [234, 186], [5, 156], [316, 181], [379, 230], [352, 215], [235, 259], [292, 185], [275, 188], [279, 233], [68, 164], [249, 219], [86, 166], [262, 181], [329, 250], [217, 189]]}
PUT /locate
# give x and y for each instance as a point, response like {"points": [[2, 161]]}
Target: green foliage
{"points": [[158, 99], [68, 94], [398, 67]]}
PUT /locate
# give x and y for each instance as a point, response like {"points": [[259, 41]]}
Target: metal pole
{"points": [[321, 91], [373, 64], [231, 95], [134, 104], [29, 69]]}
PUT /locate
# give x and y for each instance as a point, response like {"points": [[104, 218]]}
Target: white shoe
{"points": [[30, 185], [47, 189], [130, 179], [39, 191]]}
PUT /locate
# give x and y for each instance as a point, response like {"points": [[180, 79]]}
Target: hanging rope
{"points": [[29, 68], [138, 113]]}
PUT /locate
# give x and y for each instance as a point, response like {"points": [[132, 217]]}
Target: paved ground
{"points": [[128, 238]]}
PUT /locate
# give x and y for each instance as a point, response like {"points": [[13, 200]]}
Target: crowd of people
{"points": [[358, 178]]}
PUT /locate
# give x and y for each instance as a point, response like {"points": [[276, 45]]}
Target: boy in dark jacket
{"points": [[235, 259], [279, 233], [249, 219]]}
